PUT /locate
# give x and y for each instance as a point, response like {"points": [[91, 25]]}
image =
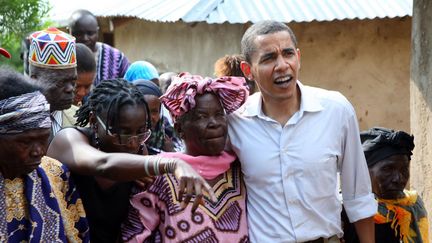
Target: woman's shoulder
{"points": [[74, 134]]}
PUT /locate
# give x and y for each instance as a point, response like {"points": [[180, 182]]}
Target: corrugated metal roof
{"points": [[152, 10], [243, 11]]}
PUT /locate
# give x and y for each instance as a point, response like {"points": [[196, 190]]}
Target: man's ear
{"points": [[246, 69]]}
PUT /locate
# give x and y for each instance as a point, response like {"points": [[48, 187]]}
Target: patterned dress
{"points": [[156, 215], [110, 63], [42, 206]]}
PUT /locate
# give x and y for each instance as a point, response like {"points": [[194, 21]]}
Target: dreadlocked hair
{"points": [[107, 99]]}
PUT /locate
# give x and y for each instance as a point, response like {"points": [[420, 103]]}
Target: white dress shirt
{"points": [[290, 171], [56, 122]]}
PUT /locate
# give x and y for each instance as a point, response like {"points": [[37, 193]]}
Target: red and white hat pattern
{"points": [[52, 48]]}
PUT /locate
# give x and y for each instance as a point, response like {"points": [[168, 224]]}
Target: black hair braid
{"points": [[107, 99]]}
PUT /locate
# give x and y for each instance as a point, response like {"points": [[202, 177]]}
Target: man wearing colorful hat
{"points": [[52, 64]]}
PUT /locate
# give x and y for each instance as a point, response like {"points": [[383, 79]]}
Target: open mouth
{"points": [[283, 81]]}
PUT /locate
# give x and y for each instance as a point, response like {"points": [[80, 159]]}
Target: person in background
{"points": [[38, 200], [199, 106], [164, 83], [291, 140], [107, 156], [86, 70], [163, 137], [165, 80], [229, 65], [401, 215], [52, 64], [24, 53], [111, 63], [142, 70]]}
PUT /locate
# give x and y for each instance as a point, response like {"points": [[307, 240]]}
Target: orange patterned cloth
{"points": [[408, 217]]}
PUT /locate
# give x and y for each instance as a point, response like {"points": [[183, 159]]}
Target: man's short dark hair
{"points": [[77, 15], [262, 28], [85, 59]]}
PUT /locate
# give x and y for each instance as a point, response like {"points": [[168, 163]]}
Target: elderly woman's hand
{"points": [[191, 184]]}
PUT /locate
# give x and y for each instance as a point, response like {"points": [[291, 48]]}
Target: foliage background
{"points": [[18, 18]]}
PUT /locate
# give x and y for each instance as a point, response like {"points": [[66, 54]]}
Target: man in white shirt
{"points": [[292, 140]]}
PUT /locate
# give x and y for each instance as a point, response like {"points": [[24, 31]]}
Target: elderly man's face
{"points": [[21, 153], [390, 176], [59, 86]]}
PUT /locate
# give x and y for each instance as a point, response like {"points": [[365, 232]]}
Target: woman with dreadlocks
{"points": [[105, 157]]}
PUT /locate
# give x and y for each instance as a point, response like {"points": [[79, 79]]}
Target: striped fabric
{"points": [[180, 96], [56, 122], [24, 112], [110, 63]]}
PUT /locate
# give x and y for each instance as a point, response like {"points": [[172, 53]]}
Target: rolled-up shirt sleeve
{"points": [[358, 199]]}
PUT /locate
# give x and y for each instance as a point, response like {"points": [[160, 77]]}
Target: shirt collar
{"points": [[308, 102]]}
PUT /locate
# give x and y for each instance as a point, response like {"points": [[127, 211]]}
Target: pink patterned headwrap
{"points": [[180, 96]]}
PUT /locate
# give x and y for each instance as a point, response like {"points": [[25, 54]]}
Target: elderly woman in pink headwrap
{"points": [[198, 107]]}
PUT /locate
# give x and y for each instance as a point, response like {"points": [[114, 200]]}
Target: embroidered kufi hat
{"points": [[53, 49]]}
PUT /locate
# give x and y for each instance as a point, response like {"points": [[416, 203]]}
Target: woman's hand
{"points": [[191, 184]]}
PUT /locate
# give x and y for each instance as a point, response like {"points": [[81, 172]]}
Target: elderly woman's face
{"points": [[204, 128], [21, 153], [390, 176]]}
